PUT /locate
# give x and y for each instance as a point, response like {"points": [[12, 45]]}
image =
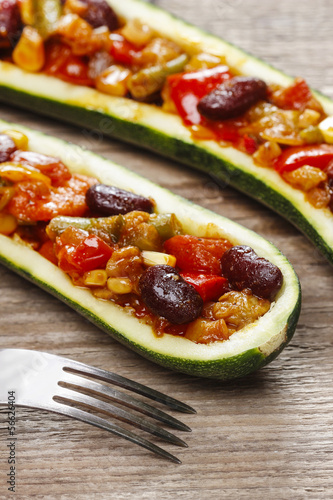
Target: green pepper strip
{"points": [[167, 225], [150, 80]]}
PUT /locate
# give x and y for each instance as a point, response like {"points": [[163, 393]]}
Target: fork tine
{"points": [[69, 396], [125, 399], [101, 423], [40, 378], [83, 369]]}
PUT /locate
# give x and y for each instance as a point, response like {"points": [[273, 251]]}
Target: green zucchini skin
{"points": [[248, 350], [60, 100]]}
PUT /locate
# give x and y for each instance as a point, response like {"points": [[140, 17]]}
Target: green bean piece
{"points": [[150, 80], [46, 15]]}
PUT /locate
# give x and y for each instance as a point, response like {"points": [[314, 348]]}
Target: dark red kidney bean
{"points": [[99, 13], [7, 147], [232, 98], [10, 20], [168, 295], [244, 269], [110, 200]]}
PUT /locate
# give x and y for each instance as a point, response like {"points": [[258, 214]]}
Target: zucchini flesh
{"points": [[245, 351], [149, 126]]}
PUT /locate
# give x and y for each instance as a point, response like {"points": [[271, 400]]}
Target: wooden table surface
{"points": [[268, 436]]}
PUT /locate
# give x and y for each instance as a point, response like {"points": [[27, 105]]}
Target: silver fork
{"points": [[48, 382]]}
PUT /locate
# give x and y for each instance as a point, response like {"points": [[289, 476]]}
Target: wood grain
{"points": [[266, 437]]}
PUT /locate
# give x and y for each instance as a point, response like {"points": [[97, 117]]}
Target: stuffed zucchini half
{"points": [[72, 76], [242, 350]]}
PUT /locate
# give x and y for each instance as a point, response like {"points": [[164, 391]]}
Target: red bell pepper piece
{"points": [[47, 251], [294, 157], [69, 67], [198, 255], [186, 90], [209, 286], [250, 144], [90, 253], [123, 51]]}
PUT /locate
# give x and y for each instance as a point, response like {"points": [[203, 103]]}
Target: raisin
{"points": [[99, 13], [168, 295], [10, 21], [110, 200], [244, 269], [232, 98], [7, 147], [329, 172]]}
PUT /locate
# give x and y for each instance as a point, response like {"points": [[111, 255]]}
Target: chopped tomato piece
{"points": [[195, 254], [226, 130], [250, 144], [210, 287], [296, 96], [47, 251], [186, 90], [294, 157], [88, 252], [123, 51], [52, 167], [62, 63], [34, 201]]}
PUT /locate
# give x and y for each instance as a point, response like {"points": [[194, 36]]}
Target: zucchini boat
{"points": [[151, 126], [246, 350]]}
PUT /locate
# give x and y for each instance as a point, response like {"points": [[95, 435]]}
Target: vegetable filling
{"points": [[84, 42], [116, 244]]}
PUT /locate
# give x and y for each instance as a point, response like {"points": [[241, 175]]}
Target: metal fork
{"points": [[48, 382]]}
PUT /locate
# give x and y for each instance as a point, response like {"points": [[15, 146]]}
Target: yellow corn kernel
{"points": [[308, 117], [204, 61], [97, 277], [75, 7], [8, 223], [27, 12], [137, 33], [29, 53], [21, 140], [158, 258], [326, 128], [120, 286], [113, 80]]}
